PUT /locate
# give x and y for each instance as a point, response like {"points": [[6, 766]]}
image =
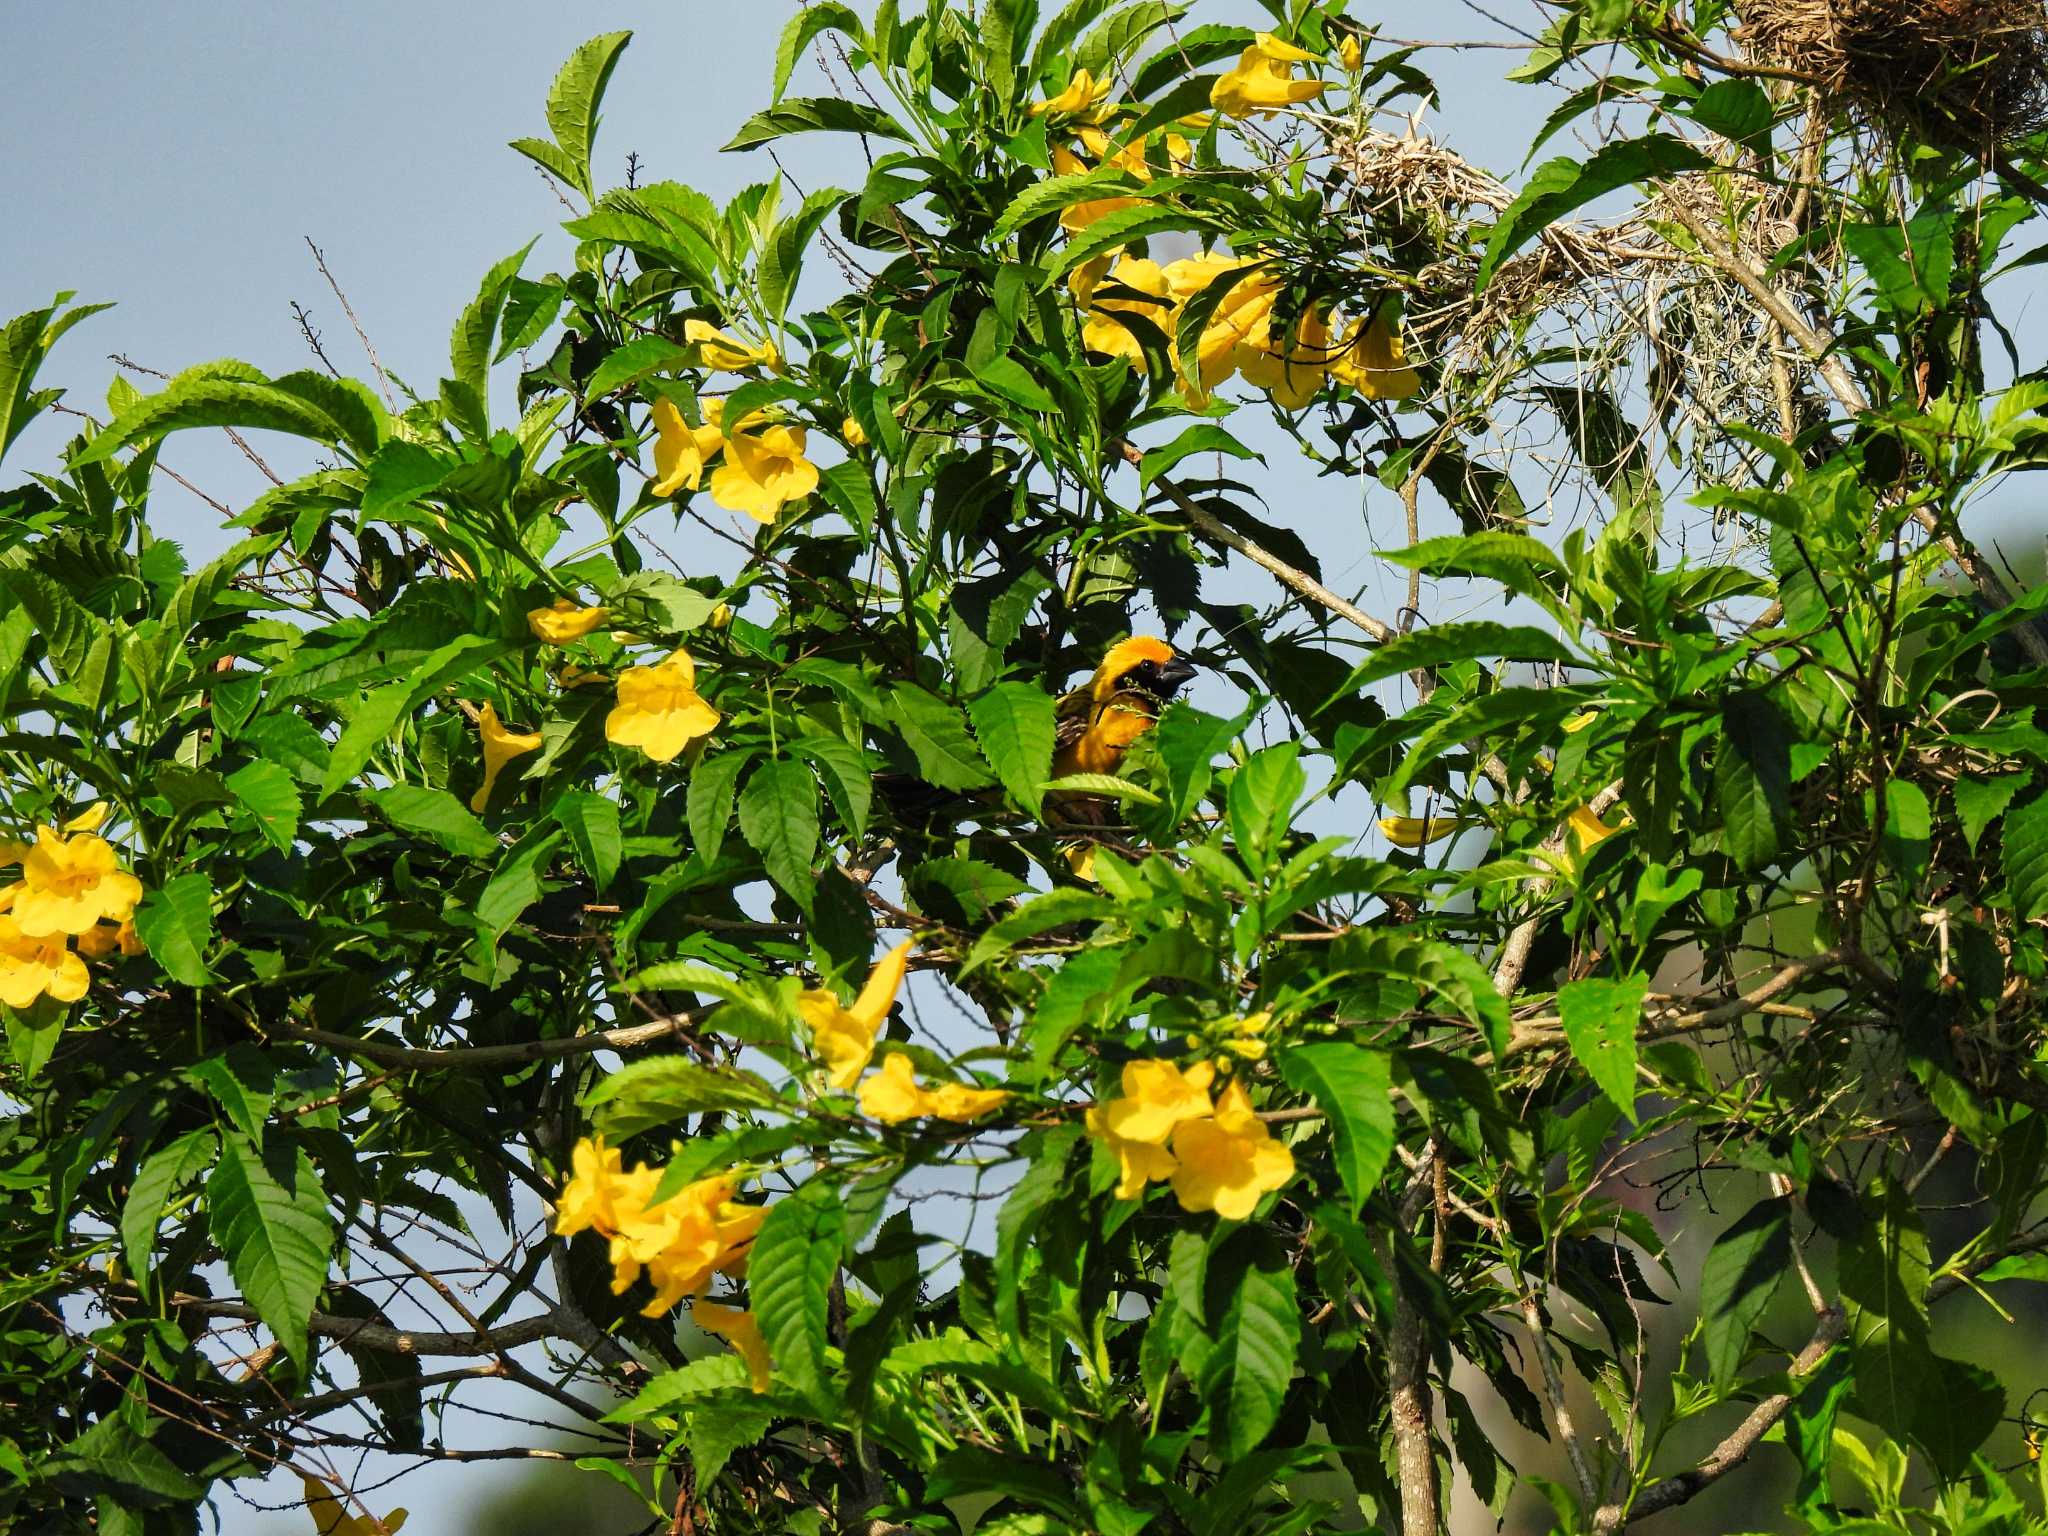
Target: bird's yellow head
{"points": [[1143, 662]]}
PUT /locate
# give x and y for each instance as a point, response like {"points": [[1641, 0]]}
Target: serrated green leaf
{"points": [[175, 924], [1753, 779], [848, 778], [574, 98], [1908, 827], [635, 359], [1558, 187], [1741, 1273], [270, 795], [709, 800], [2026, 858], [814, 114], [592, 822], [1100, 784], [270, 1220], [805, 25], [1353, 1086], [779, 820], [1979, 802], [946, 754], [1600, 1017], [159, 1177], [1257, 1334], [665, 1089], [1016, 724], [113, 1461], [436, 814], [1438, 645], [789, 1275]]}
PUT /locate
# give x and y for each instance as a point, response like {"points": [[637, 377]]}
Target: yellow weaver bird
{"points": [[1123, 700]]}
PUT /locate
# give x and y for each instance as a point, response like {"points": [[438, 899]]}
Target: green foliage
{"points": [[520, 950]]}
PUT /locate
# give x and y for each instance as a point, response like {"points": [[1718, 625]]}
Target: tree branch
{"points": [[1205, 524], [1732, 1452], [428, 1060], [395, 1341]]}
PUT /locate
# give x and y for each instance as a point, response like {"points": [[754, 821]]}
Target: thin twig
{"points": [[376, 366], [466, 1056]]}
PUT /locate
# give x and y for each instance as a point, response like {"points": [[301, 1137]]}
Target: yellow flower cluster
{"points": [[893, 1095], [678, 1243], [659, 710], [500, 747], [1218, 1153], [844, 1038], [1083, 98], [761, 465], [1239, 338], [71, 886], [1262, 81]]}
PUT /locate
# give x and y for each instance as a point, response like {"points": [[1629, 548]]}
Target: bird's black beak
{"points": [[1176, 672]]}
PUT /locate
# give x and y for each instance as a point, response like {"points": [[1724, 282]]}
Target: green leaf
{"points": [[946, 754], [805, 25], [1515, 560], [1753, 779], [515, 884], [573, 101], [708, 802], [779, 820], [1910, 263], [1019, 1219], [270, 1220], [2026, 858], [436, 814], [1203, 437], [1353, 1086], [1735, 109], [848, 778], [271, 797], [1245, 1377], [228, 394], [1120, 228], [240, 1082], [175, 924], [592, 822], [1100, 784], [781, 260], [1558, 187], [1741, 1274], [1600, 1017], [790, 1275], [372, 724], [1440, 645], [1979, 802], [1908, 827], [1479, 720], [665, 1089], [112, 1460], [1039, 198], [638, 357], [680, 1387], [161, 1175], [814, 114], [1261, 801]]}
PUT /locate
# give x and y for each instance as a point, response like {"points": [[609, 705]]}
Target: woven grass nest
{"points": [[1973, 73]]}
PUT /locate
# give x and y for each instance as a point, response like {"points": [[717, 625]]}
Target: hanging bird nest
{"points": [[1971, 73]]}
